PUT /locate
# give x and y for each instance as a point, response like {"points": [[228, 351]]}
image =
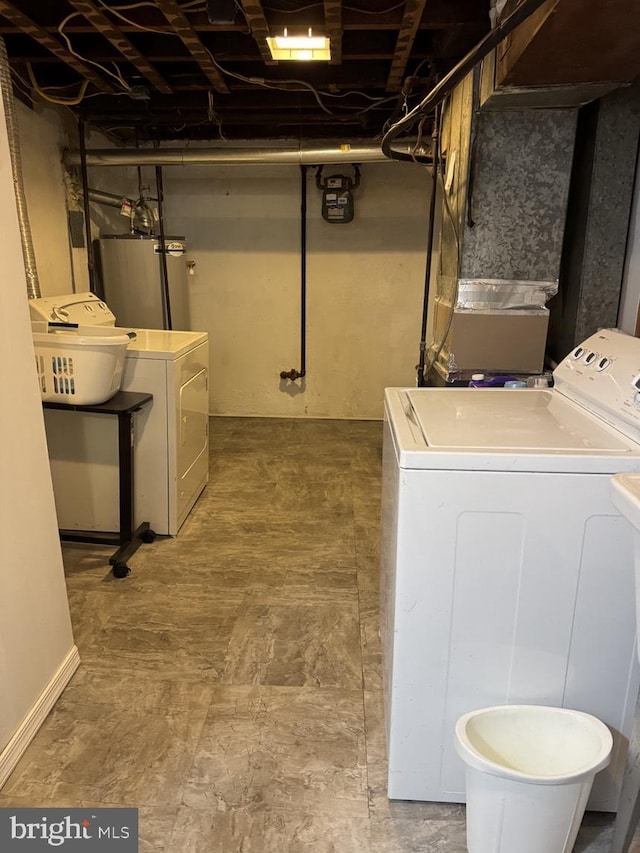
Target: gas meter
{"points": [[337, 198]]}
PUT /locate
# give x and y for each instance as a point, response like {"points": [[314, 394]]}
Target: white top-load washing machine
{"points": [[172, 434], [507, 573]]}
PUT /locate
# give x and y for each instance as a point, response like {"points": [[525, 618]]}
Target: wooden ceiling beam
{"points": [[40, 35], [254, 13], [183, 29], [122, 44], [406, 37], [333, 23]]}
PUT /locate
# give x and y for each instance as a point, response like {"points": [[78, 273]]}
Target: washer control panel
{"points": [[86, 309], [603, 375]]}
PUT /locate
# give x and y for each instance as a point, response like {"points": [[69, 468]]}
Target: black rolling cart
{"points": [[123, 406]]}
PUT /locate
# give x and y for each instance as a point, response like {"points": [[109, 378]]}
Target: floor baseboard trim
{"points": [[13, 751]]}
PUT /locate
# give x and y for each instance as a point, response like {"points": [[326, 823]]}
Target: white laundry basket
{"points": [[79, 365], [529, 772]]}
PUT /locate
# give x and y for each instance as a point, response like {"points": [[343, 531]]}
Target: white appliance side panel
{"points": [[83, 453], [490, 569], [189, 468], [598, 625], [388, 550], [151, 462]]}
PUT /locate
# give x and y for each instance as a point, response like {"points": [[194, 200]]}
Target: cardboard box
{"points": [[510, 341]]}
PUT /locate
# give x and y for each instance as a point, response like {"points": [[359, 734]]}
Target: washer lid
{"points": [[496, 419], [164, 344]]}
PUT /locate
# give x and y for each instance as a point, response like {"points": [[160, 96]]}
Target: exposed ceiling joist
{"points": [[254, 13], [404, 43], [333, 23], [40, 35], [200, 69], [122, 44], [176, 17]]}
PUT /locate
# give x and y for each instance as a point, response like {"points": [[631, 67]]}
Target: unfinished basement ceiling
{"points": [[202, 70]]}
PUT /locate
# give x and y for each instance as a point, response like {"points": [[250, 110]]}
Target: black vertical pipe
{"points": [[294, 374], [303, 270], [163, 249], [86, 206], [427, 274]]}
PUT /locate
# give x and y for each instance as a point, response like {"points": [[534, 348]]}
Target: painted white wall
{"points": [[43, 135], [51, 191], [35, 629], [364, 279], [364, 285]]}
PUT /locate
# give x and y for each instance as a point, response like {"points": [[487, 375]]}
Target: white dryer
{"points": [[507, 574], [172, 435]]}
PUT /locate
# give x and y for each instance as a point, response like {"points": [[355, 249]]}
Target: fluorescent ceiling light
{"points": [[300, 48]]}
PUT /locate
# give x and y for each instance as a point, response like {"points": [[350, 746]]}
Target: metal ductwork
{"points": [[33, 285], [365, 152], [109, 199]]}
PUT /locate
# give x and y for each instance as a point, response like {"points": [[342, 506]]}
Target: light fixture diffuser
{"points": [[300, 48]]}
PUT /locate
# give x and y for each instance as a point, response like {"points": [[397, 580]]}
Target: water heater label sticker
{"points": [[173, 249]]}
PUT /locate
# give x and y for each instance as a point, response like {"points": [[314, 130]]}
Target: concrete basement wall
{"points": [[364, 279], [43, 135], [364, 285]]}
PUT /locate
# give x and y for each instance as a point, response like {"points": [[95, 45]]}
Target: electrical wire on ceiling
{"points": [[27, 88], [116, 75], [288, 85], [22, 85], [269, 84], [349, 8], [213, 117], [115, 11], [377, 11], [53, 99], [278, 85]]}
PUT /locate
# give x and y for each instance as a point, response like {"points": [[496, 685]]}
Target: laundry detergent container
{"points": [[529, 772]]}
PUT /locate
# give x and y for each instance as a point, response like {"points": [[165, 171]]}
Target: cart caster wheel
{"points": [[148, 536], [121, 570]]}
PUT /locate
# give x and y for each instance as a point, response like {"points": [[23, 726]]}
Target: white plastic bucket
{"points": [[529, 773]]}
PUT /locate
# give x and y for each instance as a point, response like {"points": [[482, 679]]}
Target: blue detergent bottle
{"points": [[479, 380]]}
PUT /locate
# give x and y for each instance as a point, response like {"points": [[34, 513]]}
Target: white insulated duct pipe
{"points": [[303, 156]]}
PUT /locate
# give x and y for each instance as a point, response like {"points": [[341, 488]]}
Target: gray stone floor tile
{"points": [[296, 645], [279, 747], [231, 686], [258, 831]]}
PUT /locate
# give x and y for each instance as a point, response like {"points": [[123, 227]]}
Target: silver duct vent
{"points": [[33, 285], [312, 155], [102, 197]]}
